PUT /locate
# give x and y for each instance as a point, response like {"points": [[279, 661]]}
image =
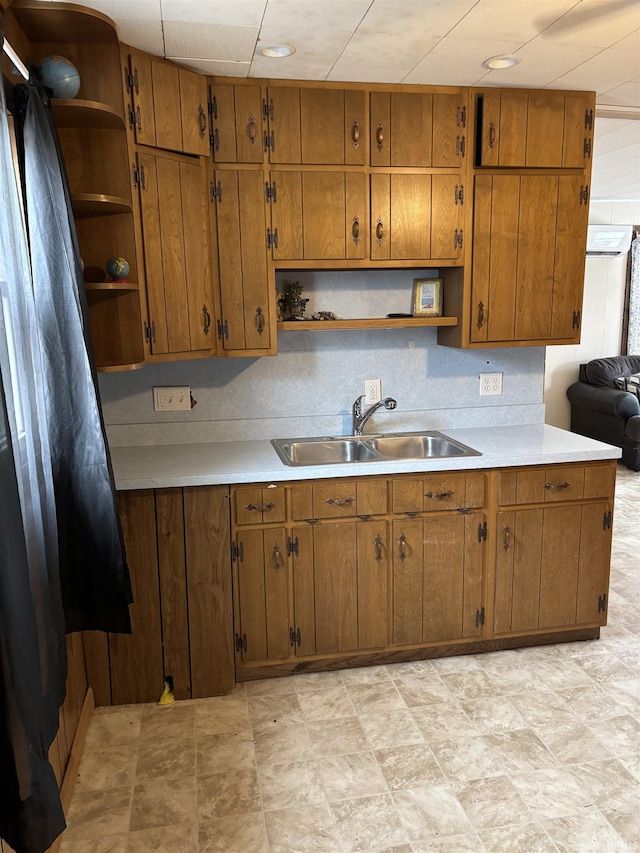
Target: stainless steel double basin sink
{"points": [[341, 450]]}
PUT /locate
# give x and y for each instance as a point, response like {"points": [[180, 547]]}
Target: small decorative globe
{"points": [[61, 76], [117, 268]]}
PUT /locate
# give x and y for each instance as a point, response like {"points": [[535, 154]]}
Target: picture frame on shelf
{"points": [[427, 297]]}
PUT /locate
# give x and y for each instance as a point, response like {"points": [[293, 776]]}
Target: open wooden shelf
{"points": [[72, 112], [124, 286], [379, 323], [98, 204]]}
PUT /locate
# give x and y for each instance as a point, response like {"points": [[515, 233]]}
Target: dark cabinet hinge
{"points": [[602, 603], [482, 532], [216, 191], [461, 116], [130, 117], [606, 521], [213, 105], [586, 150], [479, 617], [223, 330], [150, 333], [267, 108], [270, 192], [457, 238], [575, 320], [237, 552], [269, 141], [460, 146], [241, 643], [588, 119], [458, 194], [292, 546], [295, 637], [214, 139], [128, 78], [584, 194], [272, 238]]}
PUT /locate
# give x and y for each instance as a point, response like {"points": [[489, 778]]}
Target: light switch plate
{"points": [[171, 398]]}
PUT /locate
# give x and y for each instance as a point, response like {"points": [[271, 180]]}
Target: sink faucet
{"points": [[358, 419]]}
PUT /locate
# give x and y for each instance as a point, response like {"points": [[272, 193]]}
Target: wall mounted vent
{"points": [[608, 241]]}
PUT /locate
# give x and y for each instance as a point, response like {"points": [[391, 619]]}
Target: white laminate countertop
{"points": [[227, 462]]}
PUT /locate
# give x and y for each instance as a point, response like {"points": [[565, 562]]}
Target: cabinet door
{"points": [[174, 215], [142, 93], [449, 129], [166, 105], [570, 257], [552, 567], [244, 283], [194, 113], [237, 123], [504, 122], [283, 135], [373, 569], [408, 589], [401, 128], [261, 595], [545, 121], [335, 587], [577, 148], [447, 202], [331, 127]]}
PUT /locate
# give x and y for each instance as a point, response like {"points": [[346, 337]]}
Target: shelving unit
{"points": [[381, 323]]}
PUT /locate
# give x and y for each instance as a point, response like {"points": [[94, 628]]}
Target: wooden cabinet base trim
{"points": [[250, 673]]}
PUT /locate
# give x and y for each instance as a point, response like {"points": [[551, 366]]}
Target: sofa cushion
{"points": [[605, 371], [629, 383]]}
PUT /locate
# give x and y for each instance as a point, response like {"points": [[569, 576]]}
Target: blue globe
{"points": [[61, 76], [117, 268]]}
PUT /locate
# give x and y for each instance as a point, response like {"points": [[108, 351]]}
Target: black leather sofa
{"points": [[601, 410]]}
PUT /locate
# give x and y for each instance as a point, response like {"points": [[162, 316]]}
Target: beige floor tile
{"points": [[168, 721], [369, 698], [490, 802], [214, 752], [366, 675], [520, 751], [231, 835], [336, 737], [308, 830], [443, 721], [234, 792], [114, 726], [275, 743], [167, 839], [357, 774], [473, 684], [311, 681], [96, 814], [457, 663], [416, 668], [621, 735], [110, 844], [108, 767], [405, 767], [222, 714], [326, 703], [394, 728], [291, 785], [605, 781], [467, 758], [163, 802], [368, 822], [417, 691], [172, 758], [604, 668], [517, 838], [431, 812], [561, 672], [543, 708], [570, 742], [452, 844], [587, 832], [279, 707], [551, 793], [493, 714], [270, 687], [596, 702], [517, 678]]}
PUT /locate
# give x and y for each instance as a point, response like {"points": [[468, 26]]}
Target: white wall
{"points": [[602, 311]]}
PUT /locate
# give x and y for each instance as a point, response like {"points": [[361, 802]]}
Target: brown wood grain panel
{"points": [[407, 495], [324, 205], [527, 542], [172, 236], [490, 143], [380, 129], [153, 253], [173, 589], [166, 100], [371, 493], [97, 161], [276, 582], [335, 587], [80, 667], [208, 550], [571, 245], [194, 113], [444, 491], [536, 256], [407, 582], [380, 225], [71, 706], [373, 568], [250, 576], [145, 126], [473, 575], [355, 135], [448, 130], [560, 563], [248, 124], [287, 216], [411, 130], [255, 279], [96, 653], [482, 231], [545, 121], [230, 258], [512, 129], [504, 258], [595, 562], [445, 215], [355, 216], [564, 483], [410, 216], [284, 124], [444, 557], [256, 505], [530, 485], [304, 590], [600, 480], [137, 671], [336, 499], [503, 591], [474, 488], [322, 126], [225, 147], [301, 501], [575, 131], [197, 257]]}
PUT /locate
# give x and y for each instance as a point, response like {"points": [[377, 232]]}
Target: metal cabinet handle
{"points": [[355, 134], [507, 537], [403, 546], [276, 558], [355, 230], [207, 320], [202, 121], [379, 232], [438, 495], [556, 487], [338, 502], [492, 135], [259, 320], [379, 137], [480, 315], [378, 543], [263, 508], [252, 132]]}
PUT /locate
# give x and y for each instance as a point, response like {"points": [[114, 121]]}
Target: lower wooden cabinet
{"points": [[178, 550]]}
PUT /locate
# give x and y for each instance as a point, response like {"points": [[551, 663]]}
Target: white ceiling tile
{"points": [[602, 72], [328, 15], [209, 41], [144, 35], [540, 64], [627, 95], [457, 62], [511, 20], [373, 57], [398, 17], [139, 10], [599, 23], [226, 13], [313, 59], [214, 68]]}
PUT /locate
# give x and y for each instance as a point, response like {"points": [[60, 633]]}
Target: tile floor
{"points": [[535, 750]]}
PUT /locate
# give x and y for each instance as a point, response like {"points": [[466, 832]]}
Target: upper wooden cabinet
{"points": [[168, 105], [418, 129], [534, 129], [287, 125]]}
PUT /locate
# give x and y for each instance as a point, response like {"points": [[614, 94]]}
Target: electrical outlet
{"points": [[372, 391], [490, 384], [171, 398]]}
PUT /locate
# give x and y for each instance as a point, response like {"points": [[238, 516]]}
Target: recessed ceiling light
{"points": [[277, 51], [496, 62]]}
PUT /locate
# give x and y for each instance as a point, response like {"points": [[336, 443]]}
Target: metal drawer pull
{"points": [[492, 135], [263, 508], [355, 134], [403, 546], [556, 487], [207, 320], [507, 537], [378, 544], [251, 131], [259, 321], [438, 494], [355, 230], [338, 502], [276, 558], [379, 137], [202, 121], [379, 231], [480, 314]]}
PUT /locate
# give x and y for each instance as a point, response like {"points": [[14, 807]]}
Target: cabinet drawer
{"points": [[555, 483], [259, 505], [440, 492], [338, 499]]}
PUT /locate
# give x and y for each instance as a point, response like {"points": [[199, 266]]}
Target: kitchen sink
{"points": [[330, 450]]}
